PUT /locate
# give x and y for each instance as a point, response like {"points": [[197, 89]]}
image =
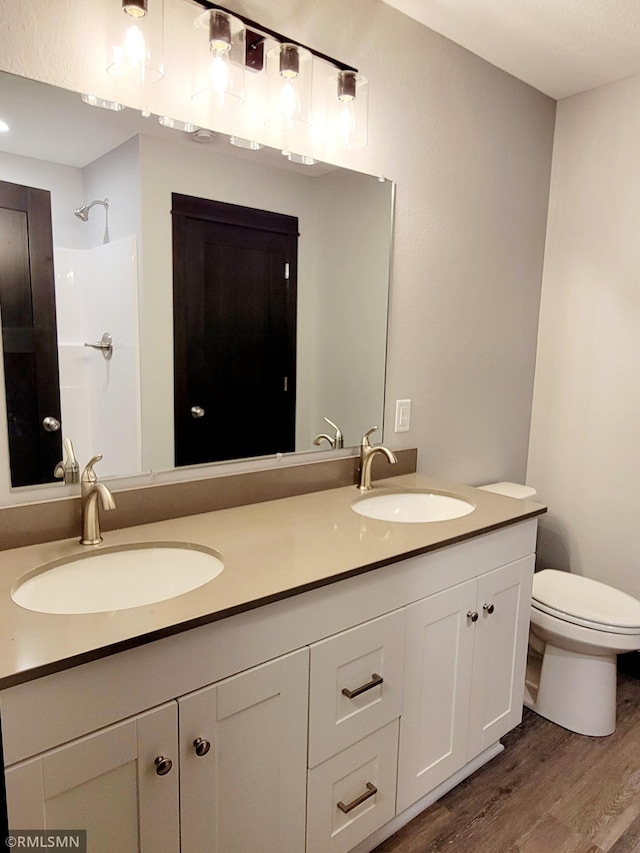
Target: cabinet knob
{"points": [[473, 615], [163, 765], [197, 412], [201, 746], [488, 608]]}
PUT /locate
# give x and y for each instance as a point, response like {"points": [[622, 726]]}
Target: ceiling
{"points": [[560, 47]]}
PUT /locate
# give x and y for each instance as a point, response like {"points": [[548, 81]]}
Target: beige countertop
{"points": [[271, 550]]}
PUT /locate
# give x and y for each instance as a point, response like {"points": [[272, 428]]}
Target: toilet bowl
{"points": [[578, 628]]}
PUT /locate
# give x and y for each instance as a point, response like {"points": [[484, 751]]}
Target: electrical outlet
{"points": [[403, 415]]}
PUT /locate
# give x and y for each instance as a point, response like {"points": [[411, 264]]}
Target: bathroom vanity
{"points": [[339, 675]]}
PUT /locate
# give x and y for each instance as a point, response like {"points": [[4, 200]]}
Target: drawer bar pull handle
{"points": [[375, 681], [371, 790]]}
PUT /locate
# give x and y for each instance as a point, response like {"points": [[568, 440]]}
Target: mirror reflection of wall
{"points": [[345, 222]]}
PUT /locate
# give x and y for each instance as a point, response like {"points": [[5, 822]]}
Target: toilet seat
{"points": [[586, 602]]}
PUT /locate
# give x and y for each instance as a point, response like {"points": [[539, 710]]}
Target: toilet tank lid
{"points": [[586, 598], [511, 490]]}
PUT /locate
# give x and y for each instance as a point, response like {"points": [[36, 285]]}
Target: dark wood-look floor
{"points": [[550, 791]]}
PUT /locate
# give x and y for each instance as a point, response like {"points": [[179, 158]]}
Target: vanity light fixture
{"points": [[239, 43], [289, 86], [218, 60], [137, 41], [348, 108]]}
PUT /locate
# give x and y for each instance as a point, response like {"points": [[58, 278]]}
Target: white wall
{"points": [[585, 435], [469, 147]]}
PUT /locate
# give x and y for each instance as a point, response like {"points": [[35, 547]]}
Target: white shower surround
{"points": [[97, 292]]}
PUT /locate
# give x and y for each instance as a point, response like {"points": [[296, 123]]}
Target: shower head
{"points": [[83, 212]]}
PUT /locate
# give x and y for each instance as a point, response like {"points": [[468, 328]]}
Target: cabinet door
{"points": [[247, 792], [500, 653], [437, 688], [108, 784]]}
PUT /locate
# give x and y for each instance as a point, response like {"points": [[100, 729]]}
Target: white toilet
{"points": [[578, 627]]}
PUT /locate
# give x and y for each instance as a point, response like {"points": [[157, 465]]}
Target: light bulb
{"points": [[219, 72], [134, 49], [290, 102], [346, 123]]}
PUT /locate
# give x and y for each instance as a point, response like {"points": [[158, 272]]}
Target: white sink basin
{"points": [[118, 578], [412, 507]]}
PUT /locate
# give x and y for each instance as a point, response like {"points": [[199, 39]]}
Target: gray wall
{"points": [[585, 433]]}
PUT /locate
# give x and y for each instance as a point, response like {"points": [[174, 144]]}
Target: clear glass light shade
{"points": [[218, 60], [348, 109], [289, 86], [136, 44]]}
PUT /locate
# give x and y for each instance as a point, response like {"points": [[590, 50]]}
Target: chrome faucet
{"points": [[367, 452], [336, 443], [91, 491]]}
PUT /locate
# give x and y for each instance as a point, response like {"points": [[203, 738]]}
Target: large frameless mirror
{"points": [[206, 301]]}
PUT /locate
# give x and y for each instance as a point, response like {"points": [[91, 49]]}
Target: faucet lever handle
{"points": [[365, 438], [89, 475], [338, 441]]}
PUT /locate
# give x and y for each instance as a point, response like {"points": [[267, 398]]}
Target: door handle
{"points": [[51, 424]]}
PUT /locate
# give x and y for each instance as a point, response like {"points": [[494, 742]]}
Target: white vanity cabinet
{"points": [[317, 723], [464, 675], [243, 749], [226, 764], [120, 784]]}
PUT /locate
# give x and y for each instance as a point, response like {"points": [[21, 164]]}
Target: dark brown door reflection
{"points": [[234, 283], [27, 300]]}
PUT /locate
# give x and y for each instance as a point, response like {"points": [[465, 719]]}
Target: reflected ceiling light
{"points": [[94, 101], [4, 127], [137, 41], [300, 158], [218, 60], [249, 144], [177, 124], [348, 108]]}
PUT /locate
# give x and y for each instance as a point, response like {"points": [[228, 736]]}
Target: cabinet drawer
{"points": [[356, 684], [353, 794]]}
